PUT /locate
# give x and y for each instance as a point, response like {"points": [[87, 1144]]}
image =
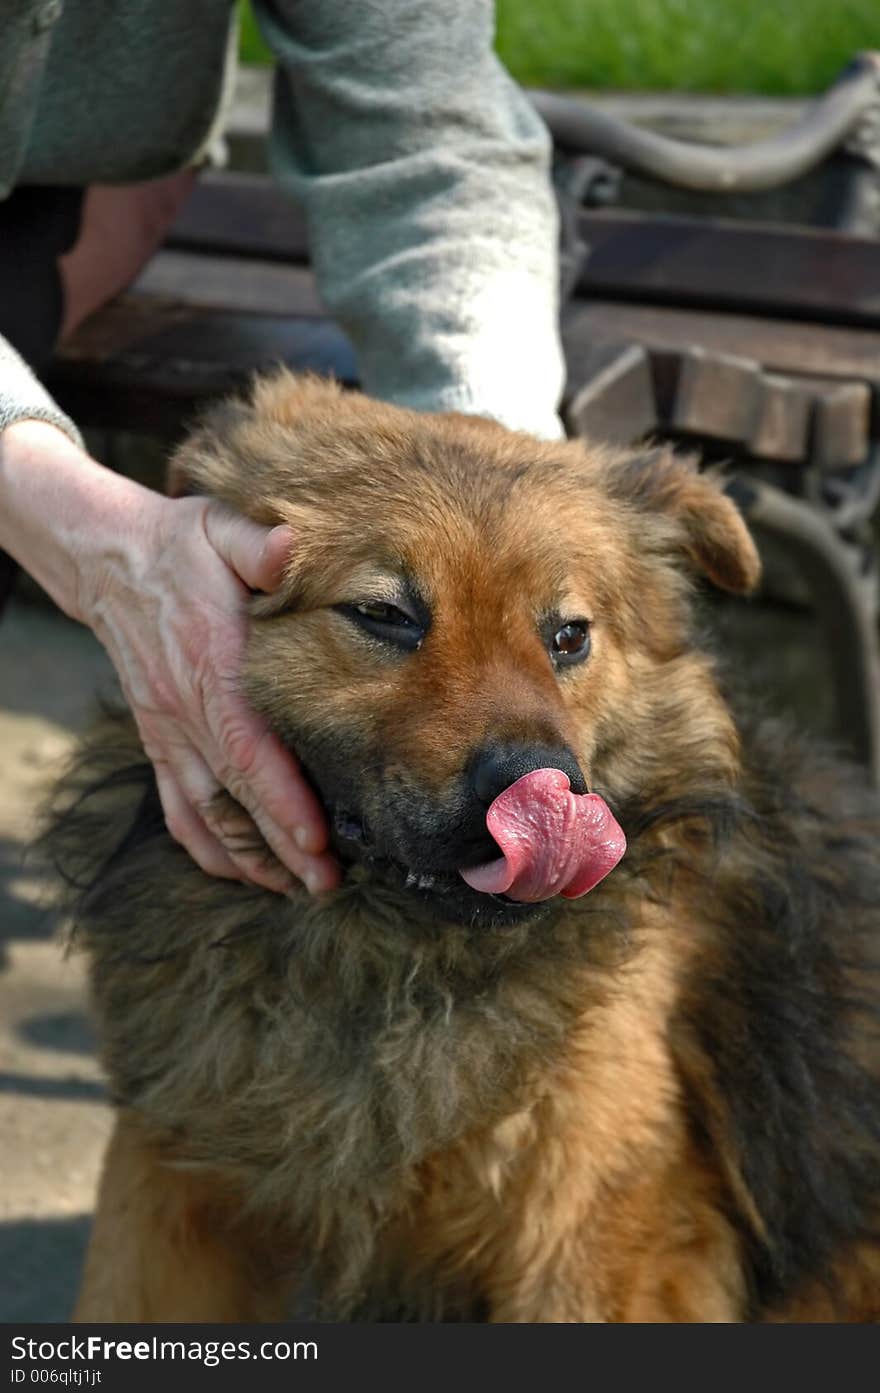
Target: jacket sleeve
{"points": [[23, 397], [424, 175]]}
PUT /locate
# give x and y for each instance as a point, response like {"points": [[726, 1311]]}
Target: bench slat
{"points": [[154, 379], [227, 283], [784, 346], [762, 268], [813, 274], [241, 215]]}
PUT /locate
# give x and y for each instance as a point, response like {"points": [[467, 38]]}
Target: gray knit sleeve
{"points": [[24, 398], [424, 175]]}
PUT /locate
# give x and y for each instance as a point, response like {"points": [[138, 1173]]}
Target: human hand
{"points": [[164, 585], [169, 609]]}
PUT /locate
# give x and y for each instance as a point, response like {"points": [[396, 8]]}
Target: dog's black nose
{"points": [[498, 766]]}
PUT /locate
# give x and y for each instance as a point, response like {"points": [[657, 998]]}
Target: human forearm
{"points": [[62, 515], [24, 398], [424, 174]]}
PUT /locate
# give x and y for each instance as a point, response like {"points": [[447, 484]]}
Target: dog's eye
{"points": [[386, 622], [382, 613], [571, 642]]}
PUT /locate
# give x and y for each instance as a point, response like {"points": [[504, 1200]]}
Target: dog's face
{"points": [[464, 605]]}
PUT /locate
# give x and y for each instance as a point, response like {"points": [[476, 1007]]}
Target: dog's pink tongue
{"points": [[553, 841]]}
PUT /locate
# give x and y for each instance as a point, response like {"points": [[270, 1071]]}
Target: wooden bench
{"points": [[232, 291], [759, 343]]}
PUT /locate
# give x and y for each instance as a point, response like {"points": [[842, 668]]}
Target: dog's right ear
{"points": [[259, 454], [699, 522], [252, 452], [206, 462]]}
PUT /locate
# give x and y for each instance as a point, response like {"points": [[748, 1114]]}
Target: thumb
{"points": [[258, 555]]}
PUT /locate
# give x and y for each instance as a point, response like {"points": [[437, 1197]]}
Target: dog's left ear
{"points": [[708, 527]]}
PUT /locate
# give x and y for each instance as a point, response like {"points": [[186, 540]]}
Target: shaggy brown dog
{"points": [[410, 1100]]}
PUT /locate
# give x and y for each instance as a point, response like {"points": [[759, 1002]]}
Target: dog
{"points": [[423, 1097]]}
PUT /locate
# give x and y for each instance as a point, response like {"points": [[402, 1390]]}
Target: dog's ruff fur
{"points": [[658, 1102]]}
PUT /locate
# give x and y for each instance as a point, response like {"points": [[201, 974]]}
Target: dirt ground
{"points": [[54, 1117]]}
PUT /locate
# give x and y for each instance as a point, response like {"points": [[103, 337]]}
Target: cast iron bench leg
{"points": [[844, 601]]}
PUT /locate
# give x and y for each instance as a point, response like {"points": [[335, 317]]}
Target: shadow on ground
{"points": [[23, 915], [54, 1115], [40, 1261]]}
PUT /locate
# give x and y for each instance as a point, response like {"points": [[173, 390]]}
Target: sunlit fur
{"points": [[658, 1102]]}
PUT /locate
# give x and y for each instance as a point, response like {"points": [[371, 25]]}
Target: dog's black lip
{"points": [[349, 827], [354, 841], [354, 846]]}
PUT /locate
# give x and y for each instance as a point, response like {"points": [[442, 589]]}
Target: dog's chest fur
{"points": [[327, 1058]]}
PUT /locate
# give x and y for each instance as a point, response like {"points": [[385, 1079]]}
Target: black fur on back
{"points": [[782, 1017]]}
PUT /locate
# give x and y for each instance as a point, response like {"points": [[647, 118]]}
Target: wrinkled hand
{"points": [[169, 607], [164, 584]]}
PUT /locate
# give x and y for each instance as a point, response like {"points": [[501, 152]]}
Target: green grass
{"points": [[251, 47], [784, 47]]}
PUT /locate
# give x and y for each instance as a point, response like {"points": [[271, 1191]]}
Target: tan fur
{"points": [[165, 1246], [342, 1100], [612, 1217]]}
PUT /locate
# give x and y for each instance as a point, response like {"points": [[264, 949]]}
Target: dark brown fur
{"points": [[659, 1102]]}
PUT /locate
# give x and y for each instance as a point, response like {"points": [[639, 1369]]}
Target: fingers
{"points": [[246, 832], [257, 554], [276, 554], [217, 833], [267, 781], [187, 828]]}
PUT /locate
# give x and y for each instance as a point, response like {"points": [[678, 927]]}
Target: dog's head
{"points": [[464, 605]]}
